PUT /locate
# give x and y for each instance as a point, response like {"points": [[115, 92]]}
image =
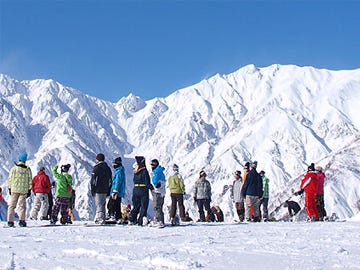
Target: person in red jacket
{"points": [[41, 186], [309, 184]]}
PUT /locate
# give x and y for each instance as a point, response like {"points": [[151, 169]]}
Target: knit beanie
{"points": [[23, 157], [100, 157]]}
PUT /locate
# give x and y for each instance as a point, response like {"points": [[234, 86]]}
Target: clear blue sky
{"points": [[151, 48]]}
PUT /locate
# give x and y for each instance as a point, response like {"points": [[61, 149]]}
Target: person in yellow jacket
{"points": [[19, 184], [177, 191]]}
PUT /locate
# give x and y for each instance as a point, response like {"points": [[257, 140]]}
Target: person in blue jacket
{"points": [[117, 191], [158, 180]]}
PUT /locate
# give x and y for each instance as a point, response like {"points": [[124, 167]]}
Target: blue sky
{"points": [[151, 48]]}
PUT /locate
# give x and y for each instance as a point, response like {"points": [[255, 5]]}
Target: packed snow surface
{"points": [[272, 245]]}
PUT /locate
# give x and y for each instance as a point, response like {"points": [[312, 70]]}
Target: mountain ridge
{"points": [[283, 116]]}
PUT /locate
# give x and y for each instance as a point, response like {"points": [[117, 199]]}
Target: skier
{"points": [[158, 181], [41, 186], [202, 196], [101, 181], [19, 183], [320, 206], [177, 191], [309, 184], [117, 191], [252, 191], [140, 197], [63, 194], [264, 200], [235, 195]]}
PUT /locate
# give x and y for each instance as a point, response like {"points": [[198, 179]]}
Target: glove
{"points": [[114, 196], [261, 199], [9, 191], [195, 199], [301, 191], [28, 194], [158, 185]]}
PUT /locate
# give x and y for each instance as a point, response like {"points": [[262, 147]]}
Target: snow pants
{"points": [[140, 201], [265, 212], [17, 199], [158, 202], [114, 208], [240, 209], [177, 199], [61, 205], [252, 202], [320, 206], [100, 203], [205, 203], [310, 205], [41, 204]]}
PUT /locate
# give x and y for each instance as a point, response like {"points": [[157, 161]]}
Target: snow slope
{"points": [[283, 116], [274, 245]]}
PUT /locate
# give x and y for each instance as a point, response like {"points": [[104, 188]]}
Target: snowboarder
{"points": [[320, 205], [63, 194], [235, 195], [117, 191], [252, 191], [19, 183], [41, 186], [264, 200], [177, 191], [158, 181], [309, 184], [101, 181], [140, 197], [202, 196]]}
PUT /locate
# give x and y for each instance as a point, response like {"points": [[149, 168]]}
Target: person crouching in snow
{"points": [[158, 181], [309, 184], [117, 191], [63, 195], [202, 196]]}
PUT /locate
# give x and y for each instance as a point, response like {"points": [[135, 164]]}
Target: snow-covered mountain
{"points": [[285, 117]]}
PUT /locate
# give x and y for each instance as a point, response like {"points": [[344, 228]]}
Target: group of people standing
{"points": [[249, 192], [21, 184]]}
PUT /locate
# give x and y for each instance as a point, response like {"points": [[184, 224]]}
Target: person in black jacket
{"points": [[140, 197], [293, 207], [252, 191], [101, 181]]}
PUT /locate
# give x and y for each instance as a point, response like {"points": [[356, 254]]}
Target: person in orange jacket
{"points": [[309, 184]]}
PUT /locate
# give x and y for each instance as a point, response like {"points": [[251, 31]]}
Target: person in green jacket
{"points": [[177, 191], [63, 195], [264, 201]]}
